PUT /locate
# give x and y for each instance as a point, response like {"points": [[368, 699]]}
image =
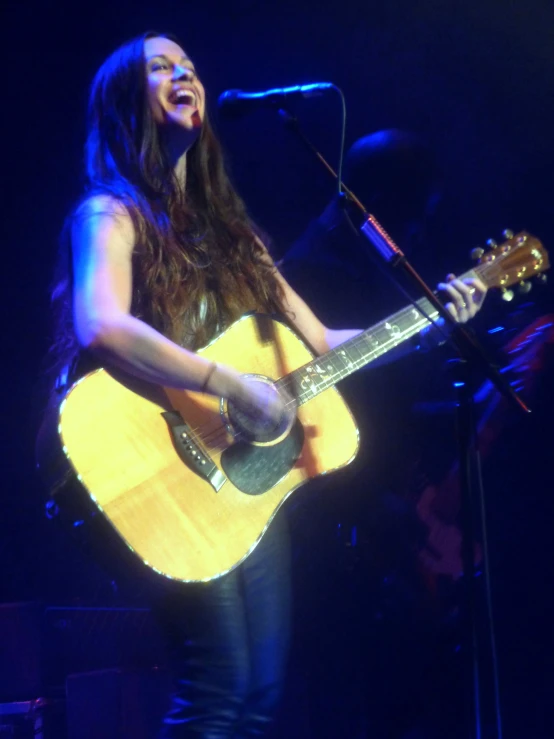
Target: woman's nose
{"points": [[182, 73]]}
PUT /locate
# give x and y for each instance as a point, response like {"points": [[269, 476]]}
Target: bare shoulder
{"points": [[104, 222], [102, 205]]}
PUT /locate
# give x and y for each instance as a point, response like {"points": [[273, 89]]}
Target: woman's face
{"points": [[176, 95]]}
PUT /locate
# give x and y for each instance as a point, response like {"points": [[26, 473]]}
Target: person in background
{"points": [[366, 600]]}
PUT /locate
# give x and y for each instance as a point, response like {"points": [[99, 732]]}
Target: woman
{"points": [[163, 256]]}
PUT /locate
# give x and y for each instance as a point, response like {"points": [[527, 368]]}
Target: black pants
{"points": [[229, 640]]}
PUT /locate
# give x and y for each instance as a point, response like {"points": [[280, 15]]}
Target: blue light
{"points": [[496, 330]]}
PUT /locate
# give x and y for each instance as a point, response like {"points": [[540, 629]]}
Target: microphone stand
{"points": [[471, 358]]}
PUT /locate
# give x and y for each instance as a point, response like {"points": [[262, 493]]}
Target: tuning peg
{"points": [[492, 244], [524, 287], [542, 278], [508, 233], [477, 253], [507, 295]]}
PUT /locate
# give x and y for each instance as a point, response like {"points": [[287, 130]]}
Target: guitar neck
{"points": [[326, 370]]}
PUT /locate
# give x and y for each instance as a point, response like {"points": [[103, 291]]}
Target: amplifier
{"points": [[41, 646], [88, 639]]}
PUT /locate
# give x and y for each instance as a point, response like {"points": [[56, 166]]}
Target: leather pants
{"points": [[229, 640]]}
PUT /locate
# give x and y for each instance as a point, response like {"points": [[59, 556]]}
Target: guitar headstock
{"points": [[516, 260]]}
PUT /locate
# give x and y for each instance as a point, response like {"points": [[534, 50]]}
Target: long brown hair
{"points": [[198, 261]]}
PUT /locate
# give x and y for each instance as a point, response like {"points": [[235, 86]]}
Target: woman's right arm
{"points": [[103, 240]]}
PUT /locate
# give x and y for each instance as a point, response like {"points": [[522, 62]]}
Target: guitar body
{"points": [[122, 450], [166, 468]]}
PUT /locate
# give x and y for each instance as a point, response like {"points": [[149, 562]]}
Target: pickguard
{"points": [[256, 469]]}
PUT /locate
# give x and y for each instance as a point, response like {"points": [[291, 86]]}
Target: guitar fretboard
{"points": [[326, 370]]}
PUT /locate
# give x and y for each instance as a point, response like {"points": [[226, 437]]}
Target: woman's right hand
{"points": [[261, 402]]}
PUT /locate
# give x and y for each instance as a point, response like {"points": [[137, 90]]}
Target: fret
{"points": [[340, 362], [326, 370], [355, 352]]}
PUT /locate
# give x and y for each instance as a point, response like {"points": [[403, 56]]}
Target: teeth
{"points": [[185, 96]]}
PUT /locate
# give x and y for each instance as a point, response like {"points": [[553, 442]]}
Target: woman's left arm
{"points": [[466, 298]]}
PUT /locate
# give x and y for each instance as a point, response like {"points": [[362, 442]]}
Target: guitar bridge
{"points": [[191, 453]]}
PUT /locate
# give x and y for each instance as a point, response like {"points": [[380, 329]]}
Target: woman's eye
{"points": [[159, 65]]}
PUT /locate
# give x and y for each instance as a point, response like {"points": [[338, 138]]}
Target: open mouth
{"points": [[183, 96]]}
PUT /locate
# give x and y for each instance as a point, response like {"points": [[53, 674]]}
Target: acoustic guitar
{"points": [[184, 479]]}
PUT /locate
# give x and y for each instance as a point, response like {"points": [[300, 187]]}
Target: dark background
{"points": [[475, 79]]}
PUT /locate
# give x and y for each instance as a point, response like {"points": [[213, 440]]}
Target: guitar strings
{"points": [[212, 437]]}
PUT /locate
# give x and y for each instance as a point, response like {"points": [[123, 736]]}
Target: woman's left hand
{"points": [[466, 297]]}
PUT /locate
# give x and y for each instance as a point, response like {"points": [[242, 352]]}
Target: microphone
{"points": [[234, 103]]}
